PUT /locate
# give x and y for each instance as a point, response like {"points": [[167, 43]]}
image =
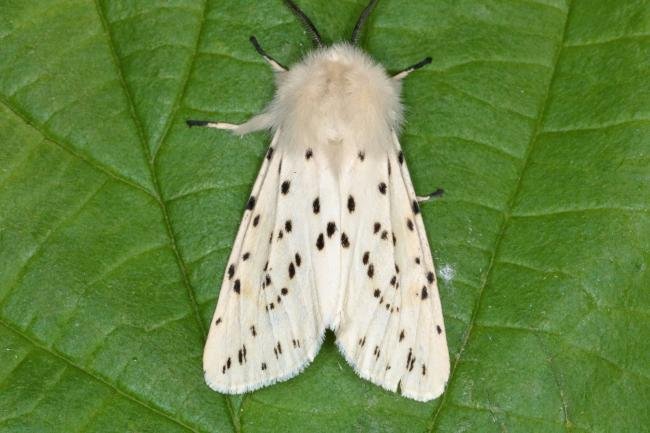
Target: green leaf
{"points": [[116, 220]]}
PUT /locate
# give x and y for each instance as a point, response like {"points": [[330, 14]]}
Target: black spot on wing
{"points": [[241, 355], [253, 331], [320, 242], [401, 335], [288, 226], [256, 220], [376, 293], [269, 154], [376, 228], [438, 329], [284, 291], [382, 188], [298, 259], [246, 256], [237, 286], [371, 270], [285, 187], [292, 271], [344, 240], [316, 205], [351, 204], [331, 228], [430, 277], [400, 157], [309, 154], [231, 271], [424, 294], [410, 361], [409, 224], [362, 155], [416, 207], [366, 257], [217, 321]]}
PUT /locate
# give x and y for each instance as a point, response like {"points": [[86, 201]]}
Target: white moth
{"points": [[332, 236]]}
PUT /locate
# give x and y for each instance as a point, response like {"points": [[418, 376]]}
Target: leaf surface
{"points": [[116, 220]]}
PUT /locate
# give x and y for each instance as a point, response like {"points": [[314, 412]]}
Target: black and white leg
{"points": [[275, 65], [404, 72], [424, 198], [261, 121], [211, 124]]}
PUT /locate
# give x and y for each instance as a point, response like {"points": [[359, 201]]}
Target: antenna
{"points": [[361, 21], [306, 23]]}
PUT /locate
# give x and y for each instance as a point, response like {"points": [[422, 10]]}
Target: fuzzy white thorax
{"points": [[336, 94]]}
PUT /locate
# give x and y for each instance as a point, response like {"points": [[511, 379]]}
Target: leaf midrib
{"points": [[151, 163], [507, 214], [156, 195]]}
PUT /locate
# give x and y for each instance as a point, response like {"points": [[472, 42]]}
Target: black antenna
{"points": [[361, 21], [306, 23]]}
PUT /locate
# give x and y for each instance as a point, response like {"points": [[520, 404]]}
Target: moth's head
{"points": [[338, 62], [340, 76]]}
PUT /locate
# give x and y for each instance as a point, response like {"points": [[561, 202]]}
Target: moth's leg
{"points": [[275, 65], [255, 123], [404, 72], [211, 124], [437, 193]]}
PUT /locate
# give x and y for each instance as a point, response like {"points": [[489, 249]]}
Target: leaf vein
{"points": [[151, 158], [68, 362], [152, 169], [504, 224], [584, 210], [87, 159], [625, 38], [596, 127], [490, 147], [39, 248]]}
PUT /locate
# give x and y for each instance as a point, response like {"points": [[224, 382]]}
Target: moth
{"points": [[332, 235]]}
